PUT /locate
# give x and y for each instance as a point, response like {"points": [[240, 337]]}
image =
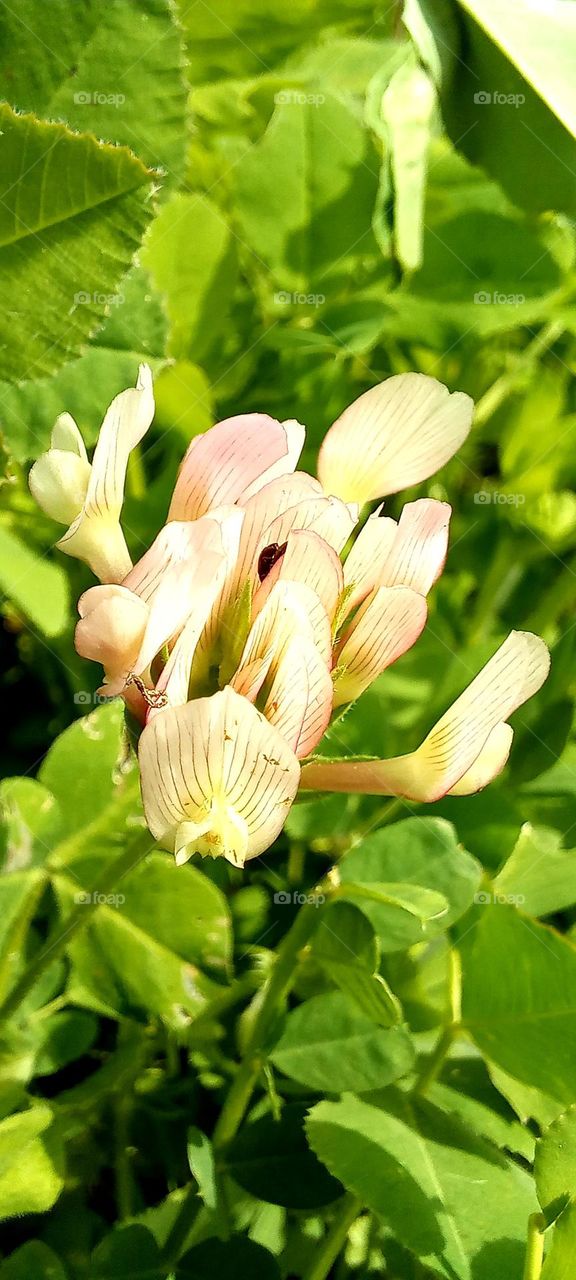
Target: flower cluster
{"points": [[245, 626]]}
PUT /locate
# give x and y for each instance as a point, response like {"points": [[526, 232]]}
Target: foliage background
{"points": [[305, 199]]}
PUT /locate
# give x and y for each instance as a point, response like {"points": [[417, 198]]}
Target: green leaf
{"points": [[539, 875], [31, 823], [19, 895], [346, 947], [62, 1038], [522, 55], [559, 1260], [37, 587], [424, 904], [149, 945], [486, 1121], [84, 388], [305, 193], [423, 852], [115, 70], [328, 1044], [128, 1253], [233, 1259], [435, 1186], [519, 998], [202, 1167], [72, 213], [32, 1259], [272, 1160], [30, 1163], [539, 49], [407, 107], [91, 752], [555, 1165], [190, 255]]}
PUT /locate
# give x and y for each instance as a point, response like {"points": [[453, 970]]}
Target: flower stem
{"points": [[534, 1247], [278, 986], [63, 935], [435, 1062], [240, 1093], [335, 1239]]}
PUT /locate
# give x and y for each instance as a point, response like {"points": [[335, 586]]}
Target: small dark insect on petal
{"points": [[152, 697], [268, 557]]}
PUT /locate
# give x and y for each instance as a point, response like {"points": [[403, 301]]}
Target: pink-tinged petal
{"points": [[418, 554], [95, 535], [385, 626], [248, 680], [310, 560], [286, 465], [281, 495], [111, 629], [300, 699], [291, 609], [408, 554], [216, 778], [174, 680], [175, 574], [366, 560], [233, 460], [395, 435], [330, 518], [456, 743]]}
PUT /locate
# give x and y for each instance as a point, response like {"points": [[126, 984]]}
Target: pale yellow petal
{"points": [[387, 624], [217, 778], [300, 699], [473, 725], [95, 535], [395, 435]]}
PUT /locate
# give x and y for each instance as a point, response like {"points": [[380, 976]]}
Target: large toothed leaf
{"points": [[72, 214], [115, 70]]}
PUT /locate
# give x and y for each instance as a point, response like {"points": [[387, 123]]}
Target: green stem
{"points": [[63, 935], [507, 382], [335, 1239], [435, 1062], [273, 994], [122, 1169], [534, 1247], [380, 819], [191, 1216]]}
